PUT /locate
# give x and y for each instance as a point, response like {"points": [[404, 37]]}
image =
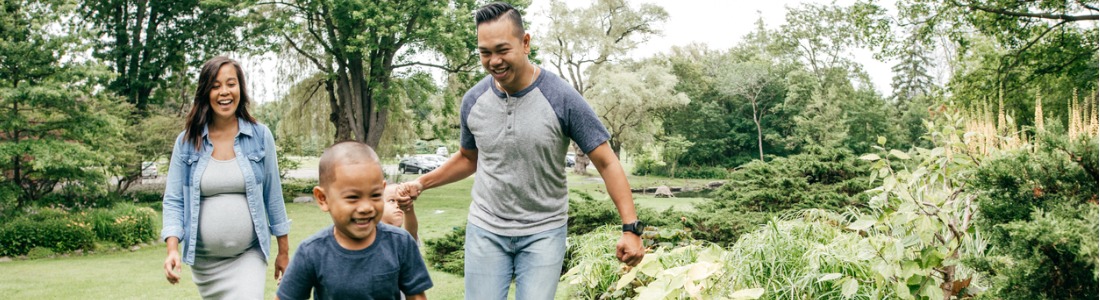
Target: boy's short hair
{"points": [[345, 153]]}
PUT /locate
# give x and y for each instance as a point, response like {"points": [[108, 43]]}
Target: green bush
{"points": [[447, 253], [1039, 210], [124, 224], [50, 228], [296, 187], [145, 196], [649, 167], [40, 252], [9, 197]]}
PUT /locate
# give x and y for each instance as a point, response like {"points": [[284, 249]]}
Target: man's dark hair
{"points": [[493, 11]]}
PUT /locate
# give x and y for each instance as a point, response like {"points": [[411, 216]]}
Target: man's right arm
{"points": [[459, 167]]}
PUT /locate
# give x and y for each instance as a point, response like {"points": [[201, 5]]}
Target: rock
{"points": [[715, 184], [303, 199], [78, 252], [663, 191], [135, 248], [5, 259]]}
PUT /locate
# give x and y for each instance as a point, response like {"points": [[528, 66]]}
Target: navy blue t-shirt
{"points": [[384, 270]]}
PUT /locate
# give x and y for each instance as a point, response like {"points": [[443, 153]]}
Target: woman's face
{"points": [[225, 95]]}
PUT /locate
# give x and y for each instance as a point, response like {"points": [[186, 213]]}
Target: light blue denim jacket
{"points": [[254, 147]]}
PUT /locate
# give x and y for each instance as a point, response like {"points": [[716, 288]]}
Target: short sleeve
{"points": [[414, 274], [465, 137], [582, 124], [300, 277]]}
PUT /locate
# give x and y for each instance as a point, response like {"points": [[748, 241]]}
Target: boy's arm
{"points": [[419, 296], [629, 250], [413, 278], [411, 225], [299, 279]]}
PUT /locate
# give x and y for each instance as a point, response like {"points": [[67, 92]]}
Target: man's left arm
{"points": [[629, 250]]}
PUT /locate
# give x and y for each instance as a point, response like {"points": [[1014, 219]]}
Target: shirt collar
{"points": [[243, 127]]}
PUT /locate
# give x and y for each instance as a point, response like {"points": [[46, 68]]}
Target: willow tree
{"points": [[360, 45], [579, 40]]}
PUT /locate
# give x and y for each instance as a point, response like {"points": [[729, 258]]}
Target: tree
{"points": [[629, 97], [748, 81], [146, 42], [578, 41], [911, 78], [820, 36], [58, 127], [359, 45]]}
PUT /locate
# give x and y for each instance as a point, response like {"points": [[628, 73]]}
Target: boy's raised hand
{"points": [[407, 192]]}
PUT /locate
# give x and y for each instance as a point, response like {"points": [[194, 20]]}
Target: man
{"points": [[515, 129]]}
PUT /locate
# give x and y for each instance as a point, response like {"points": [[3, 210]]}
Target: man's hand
{"points": [[629, 250], [407, 192]]}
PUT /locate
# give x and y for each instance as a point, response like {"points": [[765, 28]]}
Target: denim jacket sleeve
{"points": [[172, 206], [273, 188]]}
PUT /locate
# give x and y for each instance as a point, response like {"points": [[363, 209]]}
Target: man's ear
{"points": [[319, 196]]}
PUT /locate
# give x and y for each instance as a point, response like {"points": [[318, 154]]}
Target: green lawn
{"points": [[138, 274]]}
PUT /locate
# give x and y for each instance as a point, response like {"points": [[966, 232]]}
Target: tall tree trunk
{"points": [[581, 161], [759, 133], [616, 145], [337, 116]]}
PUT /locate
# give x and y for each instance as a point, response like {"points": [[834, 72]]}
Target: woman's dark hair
{"points": [[201, 114]]}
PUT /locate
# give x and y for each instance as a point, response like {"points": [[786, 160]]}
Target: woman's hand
{"points": [[281, 261], [172, 266]]}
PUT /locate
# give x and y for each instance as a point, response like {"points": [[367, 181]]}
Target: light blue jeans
{"points": [[493, 260]]}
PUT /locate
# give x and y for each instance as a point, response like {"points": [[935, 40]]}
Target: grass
{"points": [[139, 275]]}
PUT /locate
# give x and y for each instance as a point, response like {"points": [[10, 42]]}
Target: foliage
{"points": [[149, 42], [49, 228], [823, 178], [447, 253], [293, 187], [921, 222], [58, 127], [359, 46], [124, 224], [1039, 210], [579, 41], [628, 99]]}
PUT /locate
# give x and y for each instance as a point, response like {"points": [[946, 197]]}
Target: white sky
{"points": [[720, 24]]}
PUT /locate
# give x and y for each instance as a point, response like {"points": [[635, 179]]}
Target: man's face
{"points": [[354, 199], [503, 53]]}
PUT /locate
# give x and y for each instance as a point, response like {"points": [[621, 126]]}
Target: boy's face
{"points": [[394, 215], [354, 199]]}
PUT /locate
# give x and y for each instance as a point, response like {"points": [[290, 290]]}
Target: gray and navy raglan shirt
{"points": [[521, 140]]}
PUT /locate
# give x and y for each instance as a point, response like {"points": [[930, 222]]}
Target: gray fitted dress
{"points": [[228, 261]]}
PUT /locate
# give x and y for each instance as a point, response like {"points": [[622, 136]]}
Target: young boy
{"points": [[404, 217], [358, 257]]}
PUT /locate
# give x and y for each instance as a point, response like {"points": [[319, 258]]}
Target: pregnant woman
{"points": [[223, 200]]}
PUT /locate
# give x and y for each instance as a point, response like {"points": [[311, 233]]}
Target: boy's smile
{"points": [[354, 199]]}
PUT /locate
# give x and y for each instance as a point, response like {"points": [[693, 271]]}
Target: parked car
{"points": [[420, 163], [149, 169], [570, 159]]}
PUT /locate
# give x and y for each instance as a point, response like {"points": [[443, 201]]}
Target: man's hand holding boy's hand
{"points": [[407, 192]]}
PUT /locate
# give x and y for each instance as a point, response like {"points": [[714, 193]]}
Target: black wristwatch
{"points": [[636, 227]]}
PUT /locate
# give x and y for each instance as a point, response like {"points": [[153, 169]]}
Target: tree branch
{"points": [[1050, 16], [458, 69], [311, 58]]}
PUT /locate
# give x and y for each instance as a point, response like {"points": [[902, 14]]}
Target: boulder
{"points": [[663, 191]]}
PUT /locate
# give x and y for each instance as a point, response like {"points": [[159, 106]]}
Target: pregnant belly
{"points": [[225, 226]]}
